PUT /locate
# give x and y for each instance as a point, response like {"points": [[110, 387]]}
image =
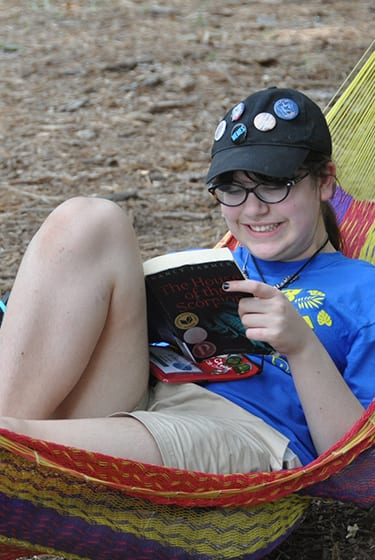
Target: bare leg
{"points": [[73, 342], [121, 437]]}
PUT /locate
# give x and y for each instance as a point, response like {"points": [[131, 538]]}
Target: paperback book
{"points": [[188, 308]]}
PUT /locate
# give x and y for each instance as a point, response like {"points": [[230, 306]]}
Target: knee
{"points": [[85, 224]]}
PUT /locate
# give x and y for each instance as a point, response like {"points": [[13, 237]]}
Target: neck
{"points": [[320, 245], [292, 277]]}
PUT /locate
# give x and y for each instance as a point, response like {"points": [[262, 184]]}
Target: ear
{"points": [[328, 182]]}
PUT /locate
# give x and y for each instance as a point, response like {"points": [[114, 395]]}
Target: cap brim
{"points": [[274, 161]]}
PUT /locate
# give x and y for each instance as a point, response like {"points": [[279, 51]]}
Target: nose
{"points": [[254, 206]]}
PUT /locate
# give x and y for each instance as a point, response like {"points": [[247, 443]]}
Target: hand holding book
{"points": [[188, 307]]}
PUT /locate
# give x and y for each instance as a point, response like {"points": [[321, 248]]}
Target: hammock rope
{"points": [[351, 121]]}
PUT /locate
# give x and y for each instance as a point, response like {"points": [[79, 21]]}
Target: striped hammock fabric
{"points": [[57, 500], [81, 505], [351, 120]]}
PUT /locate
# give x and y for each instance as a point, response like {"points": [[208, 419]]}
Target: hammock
{"points": [[80, 505]]}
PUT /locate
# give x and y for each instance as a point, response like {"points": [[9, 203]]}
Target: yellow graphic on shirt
{"points": [[324, 319], [280, 362], [310, 304], [291, 294], [309, 300]]}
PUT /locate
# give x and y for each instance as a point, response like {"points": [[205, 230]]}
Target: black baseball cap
{"points": [[270, 132]]}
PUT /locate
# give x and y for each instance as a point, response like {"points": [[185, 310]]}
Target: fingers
{"points": [[268, 316], [251, 287]]}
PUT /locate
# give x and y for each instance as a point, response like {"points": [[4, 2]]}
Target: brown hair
{"points": [[316, 163]]}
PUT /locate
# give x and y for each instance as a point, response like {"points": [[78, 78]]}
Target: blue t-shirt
{"points": [[336, 296]]}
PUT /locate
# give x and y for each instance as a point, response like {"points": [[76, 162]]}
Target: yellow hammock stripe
{"points": [[351, 120], [220, 533], [32, 550]]}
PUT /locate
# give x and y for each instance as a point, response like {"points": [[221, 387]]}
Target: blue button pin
{"points": [[286, 109], [238, 133]]}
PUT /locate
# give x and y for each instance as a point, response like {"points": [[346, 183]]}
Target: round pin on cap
{"points": [[238, 111], [264, 122], [286, 109], [238, 133], [220, 129]]}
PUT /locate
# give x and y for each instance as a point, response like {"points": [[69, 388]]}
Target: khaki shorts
{"points": [[198, 430]]}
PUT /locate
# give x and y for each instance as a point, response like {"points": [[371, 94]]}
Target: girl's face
{"points": [[289, 230]]}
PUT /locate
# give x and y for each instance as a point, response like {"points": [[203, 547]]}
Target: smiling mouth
{"points": [[264, 228]]}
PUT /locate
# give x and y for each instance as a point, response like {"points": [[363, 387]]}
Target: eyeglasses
{"points": [[235, 194]]}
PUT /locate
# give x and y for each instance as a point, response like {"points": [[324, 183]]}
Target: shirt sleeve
{"points": [[360, 367]]}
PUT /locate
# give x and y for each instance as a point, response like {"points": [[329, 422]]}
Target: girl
{"points": [[73, 343]]}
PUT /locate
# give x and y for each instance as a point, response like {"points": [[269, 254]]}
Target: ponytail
{"points": [[316, 163], [331, 225]]}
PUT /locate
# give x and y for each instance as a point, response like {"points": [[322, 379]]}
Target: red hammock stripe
{"points": [[167, 485]]}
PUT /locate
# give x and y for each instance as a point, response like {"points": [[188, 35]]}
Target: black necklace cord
{"points": [[288, 279]]}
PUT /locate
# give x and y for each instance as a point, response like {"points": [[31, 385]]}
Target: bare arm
{"points": [[329, 405]]}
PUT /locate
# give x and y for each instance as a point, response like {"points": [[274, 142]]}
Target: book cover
{"points": [[187, 306]]}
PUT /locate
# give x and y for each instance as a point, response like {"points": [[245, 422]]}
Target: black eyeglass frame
{"points": [[289, 183]]}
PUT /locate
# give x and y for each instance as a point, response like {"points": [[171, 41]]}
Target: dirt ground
{"points": [[120, 99]]}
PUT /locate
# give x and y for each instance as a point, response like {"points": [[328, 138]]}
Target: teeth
{"points": [[269, 227]]}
